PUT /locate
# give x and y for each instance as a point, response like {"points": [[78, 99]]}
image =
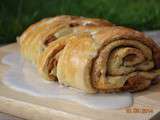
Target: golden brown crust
{"points": [[104, 60], [47, 43], [36, 38], [92, 54], [47, 63], [108, 63]]}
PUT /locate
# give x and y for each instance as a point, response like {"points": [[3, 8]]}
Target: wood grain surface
{"points": [[4, 116]]}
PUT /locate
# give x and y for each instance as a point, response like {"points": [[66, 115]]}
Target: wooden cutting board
{"points": [[146, 103]]}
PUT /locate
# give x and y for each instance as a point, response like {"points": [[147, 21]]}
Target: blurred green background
{"points": [[17, 15]]}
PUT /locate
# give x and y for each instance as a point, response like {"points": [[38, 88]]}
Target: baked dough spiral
{"points": [[113, 59], [91, 54]]}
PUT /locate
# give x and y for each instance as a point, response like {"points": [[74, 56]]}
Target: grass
{"points": [[17, 15]]}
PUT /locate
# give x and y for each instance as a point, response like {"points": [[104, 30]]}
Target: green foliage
{"points": [[17, 15]]}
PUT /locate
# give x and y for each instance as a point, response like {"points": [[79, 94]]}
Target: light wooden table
{"points": [[4, 116], [146, 104]]}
